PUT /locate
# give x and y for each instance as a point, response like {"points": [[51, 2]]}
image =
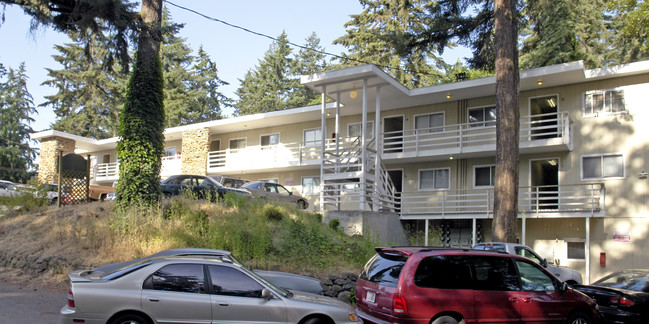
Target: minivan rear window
{"points": [[444, 272], [383, 271]]}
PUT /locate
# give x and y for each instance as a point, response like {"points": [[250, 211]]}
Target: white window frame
{"points": [[371, 129], [110, 158], [261, 137], [316, 189], [482, 123], [605, 110], [602, 156], [245, 142], [433, 170], [492, 176], [316, 142], [428, 130], [575, 240]]}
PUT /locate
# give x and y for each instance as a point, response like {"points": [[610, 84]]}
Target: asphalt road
{"points": [[28, 305]]}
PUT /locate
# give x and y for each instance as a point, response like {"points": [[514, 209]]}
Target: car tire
{"points": [[447, 320], [130, 319], [301, 204], [579, 318]]}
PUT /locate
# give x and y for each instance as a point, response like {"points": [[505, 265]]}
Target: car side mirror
{"points": [[563, 287], [266, 294], [544, 263]]}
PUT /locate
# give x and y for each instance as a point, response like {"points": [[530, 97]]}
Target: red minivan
{"points": [[442, 285]]}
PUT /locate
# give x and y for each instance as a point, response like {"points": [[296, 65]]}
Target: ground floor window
{"points": [[310, 185], [576, 250]]}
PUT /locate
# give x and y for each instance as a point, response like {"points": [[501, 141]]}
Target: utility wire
{"points": [[340, 57]]}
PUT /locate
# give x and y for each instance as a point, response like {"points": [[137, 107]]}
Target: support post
{"points": [[322, 145], [587, 247], [363, 179]]}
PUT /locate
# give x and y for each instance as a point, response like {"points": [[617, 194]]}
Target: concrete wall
{"points": [[386, 227]]}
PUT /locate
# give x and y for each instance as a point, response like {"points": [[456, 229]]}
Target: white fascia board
{"points": [[618, 70]]}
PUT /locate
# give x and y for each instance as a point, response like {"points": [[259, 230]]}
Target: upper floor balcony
{"points": [[538, 133], [107, 172]]}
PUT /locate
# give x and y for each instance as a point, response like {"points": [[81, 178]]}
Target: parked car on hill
{"points": [[568, 275], [623, 296], [43, 191], [99, 193], [443, 286], [192, 289], [230, 182], [8, 189], [274, 191], [203, 187]]}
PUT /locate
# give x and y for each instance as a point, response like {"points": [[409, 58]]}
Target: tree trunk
{"points": [[507, 122]]}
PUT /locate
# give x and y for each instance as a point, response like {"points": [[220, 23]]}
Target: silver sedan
{"points": [[192, 289]]}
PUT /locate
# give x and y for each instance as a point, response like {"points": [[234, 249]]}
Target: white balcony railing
{"points": [[105, 171], [170, 165], [585, 198], [552, 128]]}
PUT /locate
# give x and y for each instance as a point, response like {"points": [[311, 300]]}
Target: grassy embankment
{"points": [[262, 235]]}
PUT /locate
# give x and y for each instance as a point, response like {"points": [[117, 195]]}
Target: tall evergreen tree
{"points": [[580, 34], [268, 87], [16, 108], [382, 35], [630, 25], [89, 96], [309, 60], [208, 102]]}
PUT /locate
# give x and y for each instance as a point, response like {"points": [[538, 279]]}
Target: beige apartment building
{"points": [[426, 157]]}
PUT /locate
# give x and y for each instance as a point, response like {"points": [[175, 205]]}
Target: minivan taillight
{"points": [[70, 298], [399, 304]]}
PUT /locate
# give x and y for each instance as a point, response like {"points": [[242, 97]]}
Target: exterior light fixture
{"points": [[328, 114], [245, 126], [353, 94], [539, 82], [448, 96], [451, 157]]}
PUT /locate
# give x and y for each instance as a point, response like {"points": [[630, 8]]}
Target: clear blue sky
{"points": [[234, 51]]}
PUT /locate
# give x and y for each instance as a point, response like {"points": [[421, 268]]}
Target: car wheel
{"points": [[130, 319], [447, 320], [301, 204], [579, 318]]}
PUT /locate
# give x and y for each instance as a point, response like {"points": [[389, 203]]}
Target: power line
{"points": [[385, 67]]}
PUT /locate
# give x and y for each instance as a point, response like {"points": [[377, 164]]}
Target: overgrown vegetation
{"points": [[261, 235]]}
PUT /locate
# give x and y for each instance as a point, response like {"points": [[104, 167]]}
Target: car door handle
{"points": [[224, 304], [527, 300], [513, 299], [155, 300]]}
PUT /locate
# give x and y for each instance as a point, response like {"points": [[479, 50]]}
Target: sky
{"points": [[234, 51]]}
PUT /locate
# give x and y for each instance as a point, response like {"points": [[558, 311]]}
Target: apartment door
{"points": [[397, 179], [393, 134], [215, 145], [543, 111], [545, 184]]}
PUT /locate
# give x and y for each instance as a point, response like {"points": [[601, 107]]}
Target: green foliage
{"points": [[334, 224], [141, 139], [16, 108], [273, 212], [418, 237]]}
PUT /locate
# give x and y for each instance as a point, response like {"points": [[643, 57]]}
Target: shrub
{"points": [[334, 224], [272, 212]]}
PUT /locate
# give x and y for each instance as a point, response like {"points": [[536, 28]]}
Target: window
{"points": [[483, 116], [268, 140], [237, 143], [232, 282], [274, 180], [383, 271], [494, 273], [312, 137], [434, 179], [106, 158], [533, 279], [310, 185], [169, 152], [484, 176], [604, 101], [177, 277], [444, 272], [354, 130], [528, 254], [431, 123], [604, 166], [576, 250]]}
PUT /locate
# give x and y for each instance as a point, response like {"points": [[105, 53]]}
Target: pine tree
{"points": [[384, 34], [269, 85], [16, 107], [208, 102], [89, 95], [309, 60], [630, 25]]}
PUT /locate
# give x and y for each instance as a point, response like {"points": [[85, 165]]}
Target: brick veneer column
{"points": [[50, 147], [195, 146]]}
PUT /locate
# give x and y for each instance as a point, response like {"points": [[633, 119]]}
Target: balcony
{"points": [[544, 201], [538, 133], [104, 172]]}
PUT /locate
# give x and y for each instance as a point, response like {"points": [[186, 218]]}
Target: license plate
{"points": [[370, 297]]}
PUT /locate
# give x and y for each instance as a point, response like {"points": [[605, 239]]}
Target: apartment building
{"points": [[426, 157]]}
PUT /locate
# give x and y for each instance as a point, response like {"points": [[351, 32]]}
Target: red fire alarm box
{"points": [[602, 259]]}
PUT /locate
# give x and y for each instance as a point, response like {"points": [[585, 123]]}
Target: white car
{"points": [[8, 189], [568, 275]]}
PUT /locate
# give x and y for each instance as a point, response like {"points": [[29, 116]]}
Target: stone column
{"points": [[195, 146], [50, 147]]}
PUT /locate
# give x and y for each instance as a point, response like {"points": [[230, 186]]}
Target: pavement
{"points": [[20, 303]]}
